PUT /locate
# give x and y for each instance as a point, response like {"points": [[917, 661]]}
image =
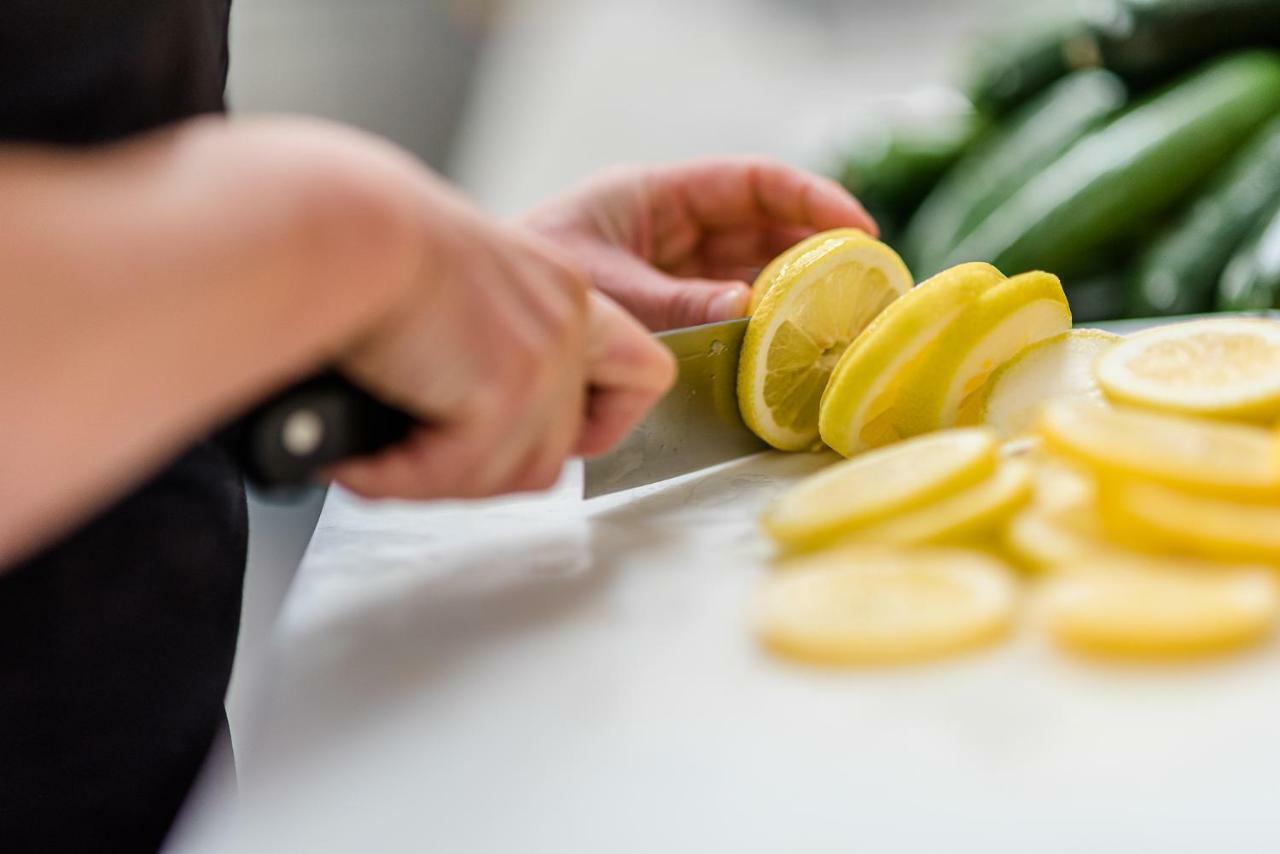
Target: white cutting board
{"points": [[548, 676]]}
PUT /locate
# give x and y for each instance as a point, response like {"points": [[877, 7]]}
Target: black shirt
{"points": [[116, 644]]}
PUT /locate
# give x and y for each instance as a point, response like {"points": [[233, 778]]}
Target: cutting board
{"points": [[544, 675]]}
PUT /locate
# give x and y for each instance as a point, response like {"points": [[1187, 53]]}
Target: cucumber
{"points": [[1103, 189], [1000, 163], [895, 162], [1252, 277], [1146, 41], [1008, 70], [1179, 272]]}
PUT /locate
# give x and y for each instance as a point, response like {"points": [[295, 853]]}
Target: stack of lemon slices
{"points": [[1131, 484]]}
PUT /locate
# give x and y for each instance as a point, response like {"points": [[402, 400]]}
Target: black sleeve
{"points": [[116, 644]]}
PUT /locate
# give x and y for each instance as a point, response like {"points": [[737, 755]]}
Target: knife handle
{"points": [[285, 442]]}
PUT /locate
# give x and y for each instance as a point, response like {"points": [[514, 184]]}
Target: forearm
{"points": [[151, 290]]}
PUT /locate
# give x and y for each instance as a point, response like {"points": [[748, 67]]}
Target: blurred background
{"points": [[1122, 144]]}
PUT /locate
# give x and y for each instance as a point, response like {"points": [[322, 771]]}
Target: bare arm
{"points": [[149, 290]]}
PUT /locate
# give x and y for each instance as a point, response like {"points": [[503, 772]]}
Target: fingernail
{"points": [[730, 304]]}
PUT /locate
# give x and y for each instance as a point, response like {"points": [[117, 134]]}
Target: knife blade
{"points": [[695, 426]]}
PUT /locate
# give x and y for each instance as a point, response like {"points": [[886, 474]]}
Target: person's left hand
{"points": [[678, 245]]}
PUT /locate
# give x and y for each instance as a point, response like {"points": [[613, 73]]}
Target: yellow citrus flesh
{"points": [[874, 486], [1208, 457], [1220, 367], [969, 516], [1002, 322], [817, 305], [1058, 368], [859, 406], [771, 271], [881, 606], [1136, 607], [1149, 515]]}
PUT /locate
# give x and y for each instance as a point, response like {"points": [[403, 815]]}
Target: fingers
{"points": [[661, 301], [745, 247], [627, 370], [728, 192]]}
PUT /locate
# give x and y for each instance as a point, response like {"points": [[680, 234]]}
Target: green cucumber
{"points": [[1002, 162], [894, 163], [1008, 70], [1251, 279], [1146, 41], [1179, 271], [1107, 185]]}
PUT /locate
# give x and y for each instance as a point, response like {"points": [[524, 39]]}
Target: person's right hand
{"points": [[508, 357]]}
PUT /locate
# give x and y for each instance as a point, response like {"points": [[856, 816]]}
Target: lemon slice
{"points": [[818, 303], [1154, 516], [855, 493], [1058, 368], [1058, 485], [1161, 607], [859, 404], [1056, 539], [967, 516], [879, 606], [1221, 367], [769, 274], [1208, 457], [1001, 323]]}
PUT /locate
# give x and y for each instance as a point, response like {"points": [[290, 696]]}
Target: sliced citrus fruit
{"points": [[967, 516], [1058, 485], [1058, 368], [1221, 367], [1209, 457], [879, 606], [818, 303], [855, 493], [1006, 319], [1052, 539], [858, 407], [1160, 607], [1149, 515], [769, 274]]}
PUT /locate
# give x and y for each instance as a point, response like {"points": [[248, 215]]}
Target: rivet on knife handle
{"points": [[286, 442]]}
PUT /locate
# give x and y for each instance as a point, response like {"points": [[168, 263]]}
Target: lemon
{"points": [[1209, 457], [1002, 322], [1061, 526], [859, 405], [1058, 368], [818, 303], [879, 606], [1220, 367], [1058, 485], [1055, 540], [855, 493], [1154, 516], [769, 274], [967, 516], [1160, 607]]}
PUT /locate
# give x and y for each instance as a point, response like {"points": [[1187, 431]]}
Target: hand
{"points": [[512, 362], [678, 245]]}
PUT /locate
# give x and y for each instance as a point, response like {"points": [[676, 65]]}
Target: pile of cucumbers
{"points": [[1133, 149]]}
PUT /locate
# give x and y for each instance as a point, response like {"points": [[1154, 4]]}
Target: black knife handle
{"points": [[285, 442]]}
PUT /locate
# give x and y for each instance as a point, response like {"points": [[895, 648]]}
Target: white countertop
{"points": [[547, 675]]}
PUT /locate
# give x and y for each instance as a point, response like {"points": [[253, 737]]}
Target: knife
{"points": [[285, 442], [695, 426]]}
